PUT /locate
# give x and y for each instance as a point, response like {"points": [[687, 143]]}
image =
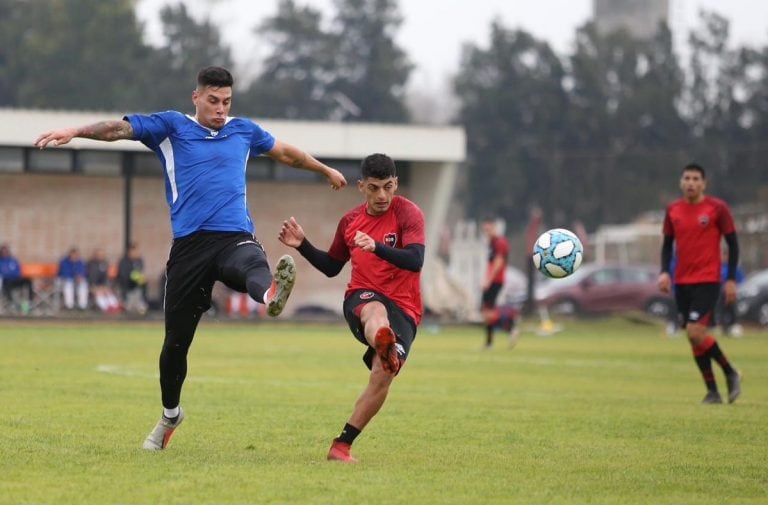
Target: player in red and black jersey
{"points": [[696, 224], [495, 272], [384, 240]]}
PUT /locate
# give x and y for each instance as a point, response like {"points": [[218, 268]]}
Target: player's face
{"points": [[693, 185], [212, 106], [378, 193]]}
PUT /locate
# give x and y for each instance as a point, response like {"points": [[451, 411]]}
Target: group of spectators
{"points": [[83, 284]]}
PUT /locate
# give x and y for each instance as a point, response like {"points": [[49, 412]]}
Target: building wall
{"points": [[41, 216]]}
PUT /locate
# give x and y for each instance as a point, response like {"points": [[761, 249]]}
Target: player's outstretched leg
{"points": [[385, 345], [160, 437], [282, 283], [339, 451]]}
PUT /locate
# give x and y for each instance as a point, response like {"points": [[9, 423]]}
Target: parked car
{"points": [[606, 288], [752, 300]]}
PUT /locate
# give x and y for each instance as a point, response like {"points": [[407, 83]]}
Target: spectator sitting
{"points": [[132, 281], [97, 270], [11, 278], [73, 280]]}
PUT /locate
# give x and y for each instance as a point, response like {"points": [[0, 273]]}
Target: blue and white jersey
{"points": [[204, 168]]}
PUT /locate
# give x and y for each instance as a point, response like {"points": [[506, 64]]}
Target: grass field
{"points": [[605, 411]]}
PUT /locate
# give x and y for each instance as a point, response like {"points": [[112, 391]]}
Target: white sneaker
{"points": [[282, 283], [160, 437]]}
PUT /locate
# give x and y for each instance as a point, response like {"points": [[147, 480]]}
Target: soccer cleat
{"points": [[513, 337], [712, 397], [160, 437], [282, 284], [384, 343], [339, 451], [734, 385]]}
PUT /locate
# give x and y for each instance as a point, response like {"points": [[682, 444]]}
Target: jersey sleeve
{"points": [[725, 220], [261, 140], [339, 250], [151, 129], [667, 228], [501, 248], [412, 219]]}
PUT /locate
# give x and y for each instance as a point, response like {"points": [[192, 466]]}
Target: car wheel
{"points": [[659, 307], [566, 307], [762, 313]]}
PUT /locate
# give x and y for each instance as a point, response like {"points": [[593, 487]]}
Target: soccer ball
{"points": [[557, 253]]}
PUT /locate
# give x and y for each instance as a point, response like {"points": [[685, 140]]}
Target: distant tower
{"points": [[640, 17]]}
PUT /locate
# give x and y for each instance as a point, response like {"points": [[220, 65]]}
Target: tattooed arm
{"points": [[105, 130], [292, 156]]}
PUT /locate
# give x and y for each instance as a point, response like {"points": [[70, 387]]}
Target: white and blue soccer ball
{"points": [[557, 253]]}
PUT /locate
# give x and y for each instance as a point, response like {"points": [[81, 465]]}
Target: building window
{"points": [[11, 159], [146, 164], [51, 160], [261, 168], [99, 162]]}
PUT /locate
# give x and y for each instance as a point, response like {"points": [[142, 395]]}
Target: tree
{"points": [[11, 23], [728, 111], [295, 80], [371, 69], [514, 109], [82, 54], [626, 129], [189, 46]]}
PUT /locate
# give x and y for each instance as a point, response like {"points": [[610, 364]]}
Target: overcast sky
{"points": [[434, 30]]}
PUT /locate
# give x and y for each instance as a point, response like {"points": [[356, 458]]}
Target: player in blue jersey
{"points": [[204, 157]]}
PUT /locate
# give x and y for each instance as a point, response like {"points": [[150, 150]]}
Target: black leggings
{"points": [[241, 265]]}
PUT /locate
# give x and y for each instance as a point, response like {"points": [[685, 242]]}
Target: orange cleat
{"points": [[339, 451], [386, 348]]}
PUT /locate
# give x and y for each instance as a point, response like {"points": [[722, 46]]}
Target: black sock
{"points": [[348, 434], [489, 335], [705, 366], [716, 354]]}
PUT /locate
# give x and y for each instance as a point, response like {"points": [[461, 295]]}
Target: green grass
{"points": [[606, 411]]}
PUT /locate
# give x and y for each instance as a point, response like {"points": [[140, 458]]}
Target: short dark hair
{"points": [[217, 77], [378, 166], [696, 168]]}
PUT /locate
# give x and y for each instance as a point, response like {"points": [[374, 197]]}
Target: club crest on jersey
{"points": [[366, 295], [390, 239], [703, 220]]}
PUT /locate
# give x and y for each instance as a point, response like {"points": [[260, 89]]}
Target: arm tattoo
{"points": [[107, 130]]}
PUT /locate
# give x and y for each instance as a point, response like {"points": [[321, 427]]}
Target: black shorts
{"points": [[402, 325], [488, 301], [198, 260], [696, 302]]}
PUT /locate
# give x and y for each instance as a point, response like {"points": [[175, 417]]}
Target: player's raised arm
{"points": [[292, 156], [104, 130]]}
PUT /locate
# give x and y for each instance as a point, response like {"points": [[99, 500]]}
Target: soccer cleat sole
{"points": [[285, 279], [385, 345]]}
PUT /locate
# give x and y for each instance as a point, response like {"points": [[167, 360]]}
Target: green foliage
{"points": [[90, 55], [295, 82], [600, 136], [190, 45], [372, 69], [606, 411], [352, 70]]}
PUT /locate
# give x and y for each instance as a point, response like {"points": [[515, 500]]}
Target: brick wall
{"points": [[41, 216]]}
